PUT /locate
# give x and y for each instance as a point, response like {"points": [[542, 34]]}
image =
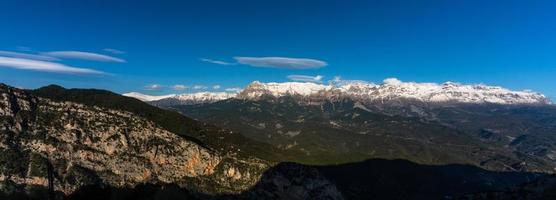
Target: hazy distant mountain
{"points": [[145, 97], [193, 98], [182, 99]]}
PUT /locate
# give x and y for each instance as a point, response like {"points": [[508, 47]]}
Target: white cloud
{"points": [[114, 51], [339, 81], [27, 56], [281, 62], [153, 87], [236, 89], [218, 62], [199, 87], [179, 87], [392, 81], [83, 55], [304, 78], [37, 65], [216, 87]]}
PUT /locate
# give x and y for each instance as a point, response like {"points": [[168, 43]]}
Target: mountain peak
{"points": [[52, 87], [257, 89]]}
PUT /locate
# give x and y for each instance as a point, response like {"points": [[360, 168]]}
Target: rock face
{"points": [[124, 149]]}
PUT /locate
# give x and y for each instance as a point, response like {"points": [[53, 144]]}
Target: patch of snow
{"points": [[361, 106], [293, 133], [205, 96]]}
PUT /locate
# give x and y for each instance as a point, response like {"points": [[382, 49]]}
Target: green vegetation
{"points": [[340, 132]]}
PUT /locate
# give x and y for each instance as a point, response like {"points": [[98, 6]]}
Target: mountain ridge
{"points": [[391, 90], [98, 138]]}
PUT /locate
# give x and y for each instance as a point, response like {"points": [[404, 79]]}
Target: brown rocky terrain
{"points": [[92, 145]]}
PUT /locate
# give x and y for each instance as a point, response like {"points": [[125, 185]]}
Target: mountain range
{"points": [[279, 141], [391, 90], [486, 126]]}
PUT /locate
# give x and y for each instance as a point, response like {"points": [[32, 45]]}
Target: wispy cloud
{"points": [[236, 89], [83, 56], [199, 87], [281, 62], [304, 78], [153, 87], [218, 62], [27, 56], [179, 87], [216, 87], [114, 51], [45, 66]]}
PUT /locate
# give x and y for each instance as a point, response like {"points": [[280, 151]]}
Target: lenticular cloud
{"points": [[83, 56], [281, 62], [37, 65]]}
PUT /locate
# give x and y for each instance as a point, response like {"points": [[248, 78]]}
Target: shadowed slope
{"points": [[370, 179]]}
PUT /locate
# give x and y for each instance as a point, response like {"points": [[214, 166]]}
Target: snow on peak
{"points": [[394, 89], [205, 97], [145, 97], [199, 97], [257, 89], [390, 89]]}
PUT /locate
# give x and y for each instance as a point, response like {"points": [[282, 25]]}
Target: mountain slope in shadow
{"points": [[389, 179], [401, 179], [370, 179]]}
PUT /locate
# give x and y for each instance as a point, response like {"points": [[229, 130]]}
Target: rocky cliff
{"points": [[95, 145]]}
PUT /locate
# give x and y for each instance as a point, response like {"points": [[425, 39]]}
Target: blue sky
{"points": [[132, 45]]}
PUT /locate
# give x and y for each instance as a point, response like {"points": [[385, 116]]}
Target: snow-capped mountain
{"points": [[391, 90], [257, 89], [394, 89], [182, 99], [146, 97], [204, 97]]}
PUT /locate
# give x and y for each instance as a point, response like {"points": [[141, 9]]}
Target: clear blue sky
{"points": [[498, 42]]}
